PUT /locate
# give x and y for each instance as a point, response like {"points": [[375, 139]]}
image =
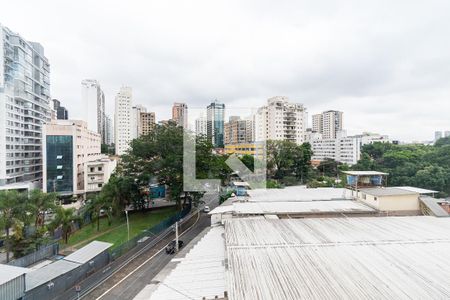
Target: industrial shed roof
{"points": [[298, 193], [201, 273], [301, 207], [88, 252], [396, 191], [361, 258], [8, 273], [51, 271]]}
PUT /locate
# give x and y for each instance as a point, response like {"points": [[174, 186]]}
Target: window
{"points": [[59, 167], [100, 168], [59, 177], [59, 157], [91, 169]]}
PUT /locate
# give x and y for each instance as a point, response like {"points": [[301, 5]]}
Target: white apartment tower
{"points": [[122, 120], [281, 119], [93, 100], [343, 148], [24, 108], [328, 123], [201, 125]]}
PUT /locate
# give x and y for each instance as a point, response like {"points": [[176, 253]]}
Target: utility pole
{"points": [[128, 223], [176, 237]]}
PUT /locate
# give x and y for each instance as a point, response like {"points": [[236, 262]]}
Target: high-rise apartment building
{"points": [[93, 100], [281, 119], [180, 114], [237, 131], [60, 111], [69, 144], [328, 123], [109, 131], [201, 125], [343, 148], [24, 107], [437, 135], [317, 123], [136, 120], [147, 123], [122, 120], [215, 116]]}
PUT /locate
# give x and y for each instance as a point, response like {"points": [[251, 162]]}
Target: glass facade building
{"points": [[59, 163], [24, 107], [215, 123]]}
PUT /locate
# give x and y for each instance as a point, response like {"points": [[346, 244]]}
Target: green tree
{"points": [[40, 203], [11, 212], [159, 156], [97, 206], [64, 218]]}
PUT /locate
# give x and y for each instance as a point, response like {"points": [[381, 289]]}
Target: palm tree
{"points": [[11, 211], [64, 218], [95, 207], [41, 202]]}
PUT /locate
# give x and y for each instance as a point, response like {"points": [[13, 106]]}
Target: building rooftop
{"points": [[45, 274], [395, 191], [298, 193], [364, 173], [8, 273], [300, 207], [343, 258], [88, 252], [200, 273]]}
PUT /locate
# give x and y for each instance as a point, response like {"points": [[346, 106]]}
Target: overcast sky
{"points": [[386, 64]]}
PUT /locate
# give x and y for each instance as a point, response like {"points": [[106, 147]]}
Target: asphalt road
{"points": [[129, 281]]}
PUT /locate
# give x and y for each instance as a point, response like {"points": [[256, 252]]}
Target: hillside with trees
{"points": [[415, 165]]}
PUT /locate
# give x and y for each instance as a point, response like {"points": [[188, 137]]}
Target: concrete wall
{"points": [[392, 203]]}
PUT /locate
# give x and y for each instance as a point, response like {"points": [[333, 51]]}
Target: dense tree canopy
{"points": [[287, 160], [416, 165]]}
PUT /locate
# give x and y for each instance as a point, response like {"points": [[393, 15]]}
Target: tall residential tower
{"points": [[122, 120], [93, 100], [24, 107], [180, 114], [281, 119], [215, 115]]}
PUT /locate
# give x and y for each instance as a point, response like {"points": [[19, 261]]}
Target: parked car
{"points": [[170, 249], [206, 209]]}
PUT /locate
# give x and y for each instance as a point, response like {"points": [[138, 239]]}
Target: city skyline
{"points": [[387, 88]]}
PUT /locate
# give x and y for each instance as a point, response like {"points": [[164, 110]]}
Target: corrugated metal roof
{"points": [[433, 205], [45, 274], [8, 273], [298, 193], [88, 252], [344, 258], [201, 273], [301, 207], [417, 190], [389, 191]]}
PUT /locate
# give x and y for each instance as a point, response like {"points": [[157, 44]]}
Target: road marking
{"points": [[146, 261]]}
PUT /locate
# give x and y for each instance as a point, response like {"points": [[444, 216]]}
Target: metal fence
{"points": [[42, 253], [149, 233]]}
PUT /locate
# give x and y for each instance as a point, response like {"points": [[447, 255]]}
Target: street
{"points": [[130, 280]]}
